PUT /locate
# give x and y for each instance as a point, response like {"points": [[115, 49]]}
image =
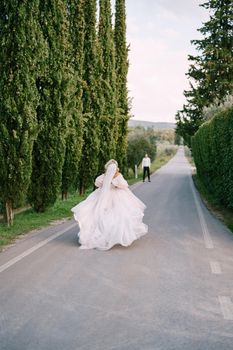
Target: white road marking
{"points": [[34, 248], [215, 267], [226, 307], [207, 238]]}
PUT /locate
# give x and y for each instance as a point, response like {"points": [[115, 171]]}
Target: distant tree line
{"points": [[63, 97], [144, 140], [140, 141]]}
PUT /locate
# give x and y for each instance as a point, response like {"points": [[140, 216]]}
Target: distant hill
{"points": [[155, 125]]}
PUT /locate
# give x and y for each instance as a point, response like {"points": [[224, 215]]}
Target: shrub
{"points": [[212, 148], [137, 147]]}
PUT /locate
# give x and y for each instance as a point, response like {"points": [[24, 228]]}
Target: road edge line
{"points": [[34, 248], [206, 234]]}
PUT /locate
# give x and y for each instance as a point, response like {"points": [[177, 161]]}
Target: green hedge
{"points": [[212, 148]]}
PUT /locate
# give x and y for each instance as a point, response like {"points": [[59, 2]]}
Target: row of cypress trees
{"points": [[63, 97]]}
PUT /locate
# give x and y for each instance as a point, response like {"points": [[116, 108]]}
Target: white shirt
{"points": [[146, 162]]}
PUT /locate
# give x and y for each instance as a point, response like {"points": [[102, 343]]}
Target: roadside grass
{"points": [[26, 219], [29, 220], [222, 213], [188, 155]]}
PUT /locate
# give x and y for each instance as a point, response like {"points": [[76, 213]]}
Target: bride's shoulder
{"points": [[119, 181], [118, 174]]}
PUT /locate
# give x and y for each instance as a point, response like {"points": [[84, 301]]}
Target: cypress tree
{"points": [[211, 70], [121, 78], [91, 105], [75, 126], [53, 87], [108, 120], [21, 47]]}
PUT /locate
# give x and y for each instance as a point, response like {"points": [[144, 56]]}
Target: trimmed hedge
{"points": [[212, 148]]}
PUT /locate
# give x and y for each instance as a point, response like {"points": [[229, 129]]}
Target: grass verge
{"points": [[188, 155], [28, 220], [222, 213]]}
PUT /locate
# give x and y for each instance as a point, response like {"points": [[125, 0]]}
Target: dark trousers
{"points": [[146, 171]]}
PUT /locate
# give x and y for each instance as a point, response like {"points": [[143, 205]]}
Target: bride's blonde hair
{"points": [[111, 161]]}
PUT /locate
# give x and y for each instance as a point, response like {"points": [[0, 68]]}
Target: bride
{"points": [[111, 214]]}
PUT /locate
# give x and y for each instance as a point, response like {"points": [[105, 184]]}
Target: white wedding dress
{"points": [[110, 215]]}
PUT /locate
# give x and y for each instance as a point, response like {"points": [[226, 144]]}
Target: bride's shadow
{"points": [[71, 239]]}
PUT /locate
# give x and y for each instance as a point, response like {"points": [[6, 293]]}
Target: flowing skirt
{"points": [[115, 218]]}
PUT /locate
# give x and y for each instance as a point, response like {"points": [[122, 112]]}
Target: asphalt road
{"points": [[170, 290]]}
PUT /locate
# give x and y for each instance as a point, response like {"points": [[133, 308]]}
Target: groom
{"points": [[146, 167]]}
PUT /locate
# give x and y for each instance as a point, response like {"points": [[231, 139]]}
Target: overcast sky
{"points": [[159, 34]]}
